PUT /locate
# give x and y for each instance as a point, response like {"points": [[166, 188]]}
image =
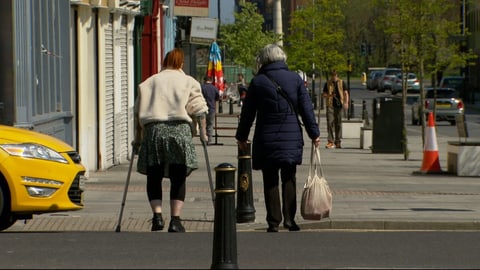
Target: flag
{"points": [[214, 68]]}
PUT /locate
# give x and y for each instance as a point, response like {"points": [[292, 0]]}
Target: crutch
{"points": [[125, 190], [207, 161]]}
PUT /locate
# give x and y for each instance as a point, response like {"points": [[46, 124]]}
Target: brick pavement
{"points": [[371, 191]]}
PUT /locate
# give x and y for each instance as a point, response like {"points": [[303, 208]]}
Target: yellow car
{"points": [[38, 174]]}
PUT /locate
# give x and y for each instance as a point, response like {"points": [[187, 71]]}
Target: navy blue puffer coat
{"points": [[278, 137]]}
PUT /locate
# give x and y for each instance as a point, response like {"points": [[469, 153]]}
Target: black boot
{"points": [[176, 225], [291, 226], [157, 222], [272, 228]]}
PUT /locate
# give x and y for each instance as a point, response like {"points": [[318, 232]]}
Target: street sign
{"points": [[203, 30]]}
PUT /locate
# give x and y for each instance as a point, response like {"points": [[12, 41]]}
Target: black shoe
{"points": [[157, 222], [272, 229], [291, 226], [176, 225]]}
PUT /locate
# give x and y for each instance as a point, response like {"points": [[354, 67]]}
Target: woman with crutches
{"points": [[164, 108]]}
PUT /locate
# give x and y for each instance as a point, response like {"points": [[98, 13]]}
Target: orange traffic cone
{"points": [[431, 162]]}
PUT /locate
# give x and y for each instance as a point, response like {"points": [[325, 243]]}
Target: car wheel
{"points": [[453, 122], [6, 217]]}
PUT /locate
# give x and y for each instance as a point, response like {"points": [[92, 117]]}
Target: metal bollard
{"points": [[351, 107], [365, 114], [230, 107], [364, 109], [245, 208], [220, 105], [224, 254]]}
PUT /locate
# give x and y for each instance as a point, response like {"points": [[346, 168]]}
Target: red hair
{"points": [[174, 59]]}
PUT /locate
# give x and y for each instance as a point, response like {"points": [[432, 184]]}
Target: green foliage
{"points": [[317, 36], [423, 37], [326, 33], [422, 31], [245, 37]]}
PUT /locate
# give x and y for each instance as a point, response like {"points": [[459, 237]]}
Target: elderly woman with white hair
{"points": [[278, 99]]}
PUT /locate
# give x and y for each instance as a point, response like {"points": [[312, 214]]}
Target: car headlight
{"points": [[40, 191], [31, 150]]}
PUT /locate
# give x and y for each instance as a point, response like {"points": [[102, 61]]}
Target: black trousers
{"points": [[274, 208], [178, 176]]}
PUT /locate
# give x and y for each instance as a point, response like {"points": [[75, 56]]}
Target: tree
{"points": [[422, 38], [359, 30], [245, 37], [316, 37]]}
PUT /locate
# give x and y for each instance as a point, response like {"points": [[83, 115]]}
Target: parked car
{"points": [[413, 84], [373, 79], [451, 82], [38, 174], [455, 82], [447, 106], [387, 77]]}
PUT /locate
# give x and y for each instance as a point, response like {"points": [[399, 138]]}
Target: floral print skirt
{"points": [[166, 143]]}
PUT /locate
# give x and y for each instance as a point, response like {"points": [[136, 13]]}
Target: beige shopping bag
{"points": [[316, 197]]}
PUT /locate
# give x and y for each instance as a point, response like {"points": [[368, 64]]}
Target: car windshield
{"points": [[391, 71], [452, 82], [441, 94], [410, 76]]}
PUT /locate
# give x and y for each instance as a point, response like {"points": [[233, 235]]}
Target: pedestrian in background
{"points": [[278, 139], [212, 95], [164, 108], [241, 88], [336, 93]]}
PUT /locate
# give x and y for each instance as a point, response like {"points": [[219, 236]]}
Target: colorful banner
{"points": [[214, 68]]}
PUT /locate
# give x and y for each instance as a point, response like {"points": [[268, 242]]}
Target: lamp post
{"points": [[277, 20], [220, 101]]}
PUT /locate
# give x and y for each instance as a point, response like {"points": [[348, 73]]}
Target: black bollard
{"points": [[220, 105], [364, 109], [351, 107], [230, 107], [365, 114], [245, 208], [224, 227]]}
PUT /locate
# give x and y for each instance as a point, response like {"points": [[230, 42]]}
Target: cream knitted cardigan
{"points": [[169, 95]]}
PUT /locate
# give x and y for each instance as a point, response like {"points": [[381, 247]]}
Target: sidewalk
{"points": [[370, 191]]}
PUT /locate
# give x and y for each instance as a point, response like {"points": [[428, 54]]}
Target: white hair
{"points": [[271, 53]]}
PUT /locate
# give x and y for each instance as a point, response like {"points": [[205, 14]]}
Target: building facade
{"points": [[70, 70]]}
